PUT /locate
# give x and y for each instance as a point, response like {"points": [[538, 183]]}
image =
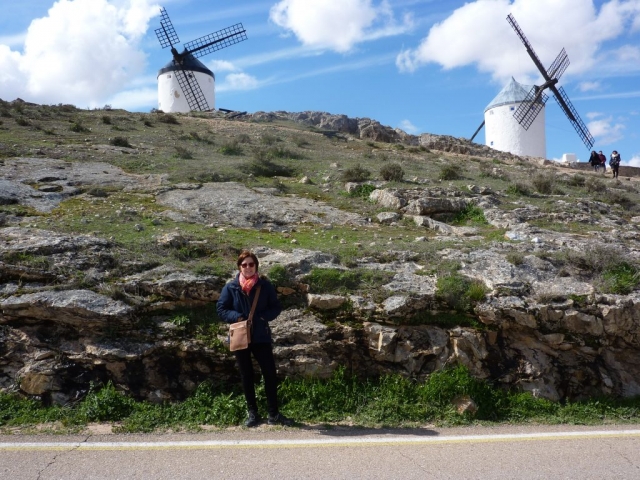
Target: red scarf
{"points": [[247, 283]]}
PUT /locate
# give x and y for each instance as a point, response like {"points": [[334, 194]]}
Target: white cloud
{"points": [[478, 34], [238, 81], [633, 162], [337, 24], [606, 130], [589, 86], [408, 127], [82, 52], [222, 66]]}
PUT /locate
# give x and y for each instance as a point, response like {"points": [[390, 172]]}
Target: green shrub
{"points": [[459, 292], [105, 404], [392, 172], [544, 183], [356, 174], [106, 119], [592, 184], [620, 279], [330, 280], [168, 118], [120, 142], [231, 147], [470, 214], [268, 139], [183, 153], [450, 172], [243, 138], [23, 122], [519, 188], [362, 191], [279, 276], [267, 168], [78, 127]]}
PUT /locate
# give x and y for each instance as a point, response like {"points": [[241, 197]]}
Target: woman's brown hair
{"points": [[245, 254]]}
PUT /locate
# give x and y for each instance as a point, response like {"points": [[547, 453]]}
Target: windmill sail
{"points": [[535, 101]]}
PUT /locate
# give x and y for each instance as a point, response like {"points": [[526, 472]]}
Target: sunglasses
{"points": [[248, 265]]}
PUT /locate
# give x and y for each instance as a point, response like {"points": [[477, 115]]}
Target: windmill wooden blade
{"points": [[559, 65], [217, 40], [532, 54], [571, 113], [166, 34], [191, 90], [530, 107]]}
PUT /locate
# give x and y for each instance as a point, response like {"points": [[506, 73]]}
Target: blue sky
{"points": [[426, 66]]}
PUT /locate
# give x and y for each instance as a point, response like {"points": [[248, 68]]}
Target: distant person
{"points": [[594, 160], [614, 163], [234, 305], [603, 161]]}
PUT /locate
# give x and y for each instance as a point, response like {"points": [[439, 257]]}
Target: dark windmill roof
{"points": [[513, 92], [190, 63]]}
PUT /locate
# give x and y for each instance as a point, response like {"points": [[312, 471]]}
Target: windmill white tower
{"points": [[504, 133], [185, 83]]}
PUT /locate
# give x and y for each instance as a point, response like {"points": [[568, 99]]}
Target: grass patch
{"points": [[471, 214], [459, 292], [389, 401], [328, 280]]}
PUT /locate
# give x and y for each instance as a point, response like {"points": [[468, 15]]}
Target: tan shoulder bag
{"points": [[240, 332]]}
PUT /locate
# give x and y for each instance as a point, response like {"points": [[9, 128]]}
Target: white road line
{"points": [[317, 442]]}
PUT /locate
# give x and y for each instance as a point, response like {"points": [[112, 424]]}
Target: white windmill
{"points": [[185, 83], [515, 118]]}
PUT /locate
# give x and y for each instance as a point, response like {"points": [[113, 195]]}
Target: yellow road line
{"points": [[320, 442]]}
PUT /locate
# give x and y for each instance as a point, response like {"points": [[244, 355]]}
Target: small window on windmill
{"points": [[512, 108], [490, 112], [169, 75], [491, 143]]}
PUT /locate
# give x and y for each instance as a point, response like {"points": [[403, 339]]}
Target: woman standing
{"points": [[614, 161], [234, 305]]}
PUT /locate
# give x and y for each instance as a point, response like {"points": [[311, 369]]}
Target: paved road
{"points": [[264, 453]]}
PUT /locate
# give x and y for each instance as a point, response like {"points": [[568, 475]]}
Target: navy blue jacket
{"points": [[234, 303]]}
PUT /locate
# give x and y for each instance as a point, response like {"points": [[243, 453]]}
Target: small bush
{"points": [[450, 172], [23, 122], [78, 127], [168, 118], [231, 147], [279, 276], [620, 279], [267, 168], [518, 188], [267, 139], [470, 214], [592, 184], [515, 258], [243, 138], [148, 123], [356, 174], [392, 172], [300, 142], [362, 191], [543, 183], [106, 119], [183, 153], [459, 292], [120, 142], [577, 180]]}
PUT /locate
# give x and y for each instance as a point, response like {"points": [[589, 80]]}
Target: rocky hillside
{"points": [[391, 253]]}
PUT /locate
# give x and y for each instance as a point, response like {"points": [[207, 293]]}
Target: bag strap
{"points": [[253, 307]]}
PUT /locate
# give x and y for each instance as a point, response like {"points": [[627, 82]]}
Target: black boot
{"points": [[253, 419]]}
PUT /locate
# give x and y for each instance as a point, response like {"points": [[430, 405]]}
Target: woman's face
{"points": [[248, 267]]}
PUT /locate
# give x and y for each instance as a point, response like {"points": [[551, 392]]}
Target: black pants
{"points": [[615, 171], [263, 353]]}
